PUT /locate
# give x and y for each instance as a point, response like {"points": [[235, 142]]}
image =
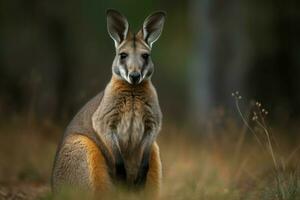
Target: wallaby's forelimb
{"points": [[146, 146]]}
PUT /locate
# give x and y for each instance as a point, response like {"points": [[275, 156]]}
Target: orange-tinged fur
{"points": [[154, 175], [99, 176]]}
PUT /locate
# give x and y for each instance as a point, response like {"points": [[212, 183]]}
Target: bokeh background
{"points": [[56, 55]]}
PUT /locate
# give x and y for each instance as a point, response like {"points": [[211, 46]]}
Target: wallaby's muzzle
{"points": [[135, 77]]}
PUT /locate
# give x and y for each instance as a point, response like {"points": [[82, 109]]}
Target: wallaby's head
{"points": [[132, 62]]}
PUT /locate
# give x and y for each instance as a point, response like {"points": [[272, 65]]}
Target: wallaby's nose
{"points": [[134, 77]]}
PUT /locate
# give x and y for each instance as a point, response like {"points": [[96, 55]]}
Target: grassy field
{"points": [[225, 161]]}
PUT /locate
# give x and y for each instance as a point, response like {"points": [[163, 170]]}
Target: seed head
{"points": [[254, 118]]}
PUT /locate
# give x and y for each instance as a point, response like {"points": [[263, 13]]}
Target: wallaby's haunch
{"points": [[111, 140]]}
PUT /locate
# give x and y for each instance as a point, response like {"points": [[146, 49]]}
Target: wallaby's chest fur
{"points": [[130, 112]]}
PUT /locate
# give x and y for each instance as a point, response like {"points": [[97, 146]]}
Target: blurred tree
{"points": [[247, 46], [220, 54]]}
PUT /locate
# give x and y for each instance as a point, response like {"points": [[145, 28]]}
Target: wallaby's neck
{"points": [[118, 84]]}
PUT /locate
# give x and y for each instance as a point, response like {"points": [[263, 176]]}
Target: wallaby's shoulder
{"points": [[81, 123]]}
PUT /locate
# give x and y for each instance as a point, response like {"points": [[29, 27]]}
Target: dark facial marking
{"points": [[123, 64], [145, 63], [117, 71], [134, 41], [150, 71], [145, 57]]}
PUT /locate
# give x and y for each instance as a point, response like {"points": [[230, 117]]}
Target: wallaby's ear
{"points": [[117, 26], [152, 27]]}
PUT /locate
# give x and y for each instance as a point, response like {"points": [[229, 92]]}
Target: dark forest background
{"points": [[56, 55]]}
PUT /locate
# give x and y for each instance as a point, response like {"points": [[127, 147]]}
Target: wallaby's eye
{"points": [[145, 56], [123, 55]]}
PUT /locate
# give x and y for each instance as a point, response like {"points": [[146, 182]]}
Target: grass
{"points": [[286, 188], [222, 161]]}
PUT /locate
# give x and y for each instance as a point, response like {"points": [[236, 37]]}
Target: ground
{"points": [[221, 161]]}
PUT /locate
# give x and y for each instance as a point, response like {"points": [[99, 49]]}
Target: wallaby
{"points": [[112, 140]]}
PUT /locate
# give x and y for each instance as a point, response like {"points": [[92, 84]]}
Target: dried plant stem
{"points": [[269, 144], [246, 123]]}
